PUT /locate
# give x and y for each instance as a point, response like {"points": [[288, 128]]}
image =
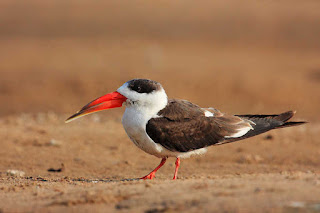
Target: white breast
{"points": [[134, 123]]}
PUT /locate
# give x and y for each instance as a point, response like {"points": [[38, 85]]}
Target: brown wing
{"points": [[183, 126]]}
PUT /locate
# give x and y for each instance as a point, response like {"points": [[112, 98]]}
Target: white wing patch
{"points": [[241, 132], [208, 114]]}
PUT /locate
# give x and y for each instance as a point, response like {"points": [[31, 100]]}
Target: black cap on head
{"points": [[143, 85]]}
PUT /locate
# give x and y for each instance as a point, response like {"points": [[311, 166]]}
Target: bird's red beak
{"points": [[108, 101]]}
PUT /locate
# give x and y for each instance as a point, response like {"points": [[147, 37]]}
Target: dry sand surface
{"points": [[278, 171], [56, 57]]}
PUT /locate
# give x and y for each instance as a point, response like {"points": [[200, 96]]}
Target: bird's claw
{"points": [[149, 176]]}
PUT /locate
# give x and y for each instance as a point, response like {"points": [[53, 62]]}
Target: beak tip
{"points": [[71, 118]]}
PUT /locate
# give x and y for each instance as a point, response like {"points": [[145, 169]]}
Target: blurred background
{"points": [[237, 56], [241, 57]]}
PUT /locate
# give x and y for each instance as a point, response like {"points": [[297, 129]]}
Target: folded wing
{"points": [[183, 126]]}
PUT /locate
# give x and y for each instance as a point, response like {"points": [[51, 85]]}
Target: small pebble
{"points": [[297, 204], [15, 173], [268, 137], [54, 142]]}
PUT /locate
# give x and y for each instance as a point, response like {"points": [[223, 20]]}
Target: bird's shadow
{"points": [[106, 180]]}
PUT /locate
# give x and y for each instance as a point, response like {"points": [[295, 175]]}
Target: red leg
{"points": [[153, 173], [177, 167]]}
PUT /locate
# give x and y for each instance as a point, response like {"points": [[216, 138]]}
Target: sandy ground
{"points": [[278, 171], [55, 58]]}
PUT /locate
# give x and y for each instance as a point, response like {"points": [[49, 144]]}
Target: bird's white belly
{"points": [[134, 123]]}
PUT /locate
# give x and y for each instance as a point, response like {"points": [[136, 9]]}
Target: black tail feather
{"points": [[279, 117], [289, 124], [264, 123], [285, 116]]}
